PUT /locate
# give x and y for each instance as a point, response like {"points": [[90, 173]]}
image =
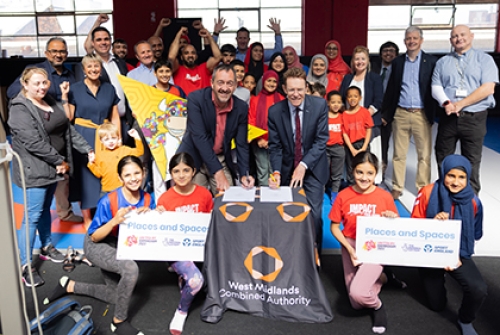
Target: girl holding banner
{"points": [[452, 197], [185, 196], [364, 198], [100, 247]]}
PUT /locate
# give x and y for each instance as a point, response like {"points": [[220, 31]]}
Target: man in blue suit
{"points": [[409, 105], [215, 117], [298, 132]]}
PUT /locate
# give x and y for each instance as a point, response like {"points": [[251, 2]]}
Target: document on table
{"points": [[280, 194], [238, 193]]}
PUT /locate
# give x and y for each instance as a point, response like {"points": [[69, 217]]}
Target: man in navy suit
{"points": [[215, 117], [298, 132], [408, 103]]}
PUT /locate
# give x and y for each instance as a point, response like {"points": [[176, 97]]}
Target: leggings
{"points": [[362, 282], [120, 276], [468, 277], [190, 282]]}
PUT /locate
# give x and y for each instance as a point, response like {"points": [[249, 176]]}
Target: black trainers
{"points": [[50, 253], [37, 280]]}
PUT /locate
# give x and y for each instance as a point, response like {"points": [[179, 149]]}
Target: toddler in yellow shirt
{"points": [[103, 164]]}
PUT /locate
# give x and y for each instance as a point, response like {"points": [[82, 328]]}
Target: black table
{"points": [[260, 259]]}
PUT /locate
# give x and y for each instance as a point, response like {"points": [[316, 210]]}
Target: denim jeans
{"points": [[38, 204]]}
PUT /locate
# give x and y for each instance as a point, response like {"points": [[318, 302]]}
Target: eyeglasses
{"points": [[227, 83], [46, 116], [331, 48], [60, 52], [389, 50]]}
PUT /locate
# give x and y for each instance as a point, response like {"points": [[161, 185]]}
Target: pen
{"points": [[272, 177]]}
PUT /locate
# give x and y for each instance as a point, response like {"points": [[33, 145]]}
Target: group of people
{"points": [[323, 123]]}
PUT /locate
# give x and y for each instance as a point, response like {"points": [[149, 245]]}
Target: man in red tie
{"points": [[298, 132]]}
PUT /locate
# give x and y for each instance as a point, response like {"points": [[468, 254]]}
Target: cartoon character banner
{"points": [[162, 117]]}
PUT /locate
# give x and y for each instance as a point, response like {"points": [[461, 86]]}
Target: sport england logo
{"points": [[271, 252], [186, 242], [428, 248]]}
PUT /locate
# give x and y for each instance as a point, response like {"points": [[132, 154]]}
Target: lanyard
{"points": [[461, 71]]}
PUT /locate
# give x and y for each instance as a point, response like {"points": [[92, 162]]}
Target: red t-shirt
{"points": [[192, 79], [200, 201], [334, 81], [355, 125], [335, 130], [350, 204]]}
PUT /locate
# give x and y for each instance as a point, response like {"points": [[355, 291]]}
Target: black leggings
{"points": [[468, 277], [120, 276]]}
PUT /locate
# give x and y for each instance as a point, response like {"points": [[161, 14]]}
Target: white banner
{"points": [[167, 236], [408, 242]]}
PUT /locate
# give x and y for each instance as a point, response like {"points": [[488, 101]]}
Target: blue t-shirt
{"points": [[103, 213]]}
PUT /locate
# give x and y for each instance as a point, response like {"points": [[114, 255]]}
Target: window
{"points": [[436, 22], [27, 25], [251, 14]]}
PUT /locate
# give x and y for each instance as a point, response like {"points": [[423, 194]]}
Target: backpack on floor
{"points": [[64, 316]]}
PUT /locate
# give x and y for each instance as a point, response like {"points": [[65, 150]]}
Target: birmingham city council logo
{"points": [[271, 252], [369, 245], [131, 240]]}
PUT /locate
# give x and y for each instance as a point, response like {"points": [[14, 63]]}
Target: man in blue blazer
{"points": [[215, 117], [411, 114], [298, 158]]}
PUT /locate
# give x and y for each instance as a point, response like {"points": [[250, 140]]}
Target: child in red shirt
{"points": [[357, 127], [185, 196], [363, 281], [335, 145]]}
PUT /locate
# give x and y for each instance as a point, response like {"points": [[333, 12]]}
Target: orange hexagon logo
{"points": [[287, 217], [240, 218], [278, 263]]}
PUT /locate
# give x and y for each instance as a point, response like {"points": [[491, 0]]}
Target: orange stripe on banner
{"points": [[57, 225]]}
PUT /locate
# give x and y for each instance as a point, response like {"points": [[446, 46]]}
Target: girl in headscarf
{"points": [[257, 116], [278, 64], [254, 60], [317, 70], [292, 58], [452, 197]]}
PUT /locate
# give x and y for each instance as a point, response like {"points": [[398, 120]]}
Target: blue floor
{"points": [[492, 138]]}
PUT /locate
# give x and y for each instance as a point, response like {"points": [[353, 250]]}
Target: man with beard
{"points": [[119, 48], [56, 54], [215, 117], [157, 47], [190, 76]]}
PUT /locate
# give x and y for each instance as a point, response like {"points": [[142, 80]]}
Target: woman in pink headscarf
{"points": [[337, 68], [292, 58]]}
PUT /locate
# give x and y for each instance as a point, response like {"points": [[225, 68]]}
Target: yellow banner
{"points": [[162, 117]]}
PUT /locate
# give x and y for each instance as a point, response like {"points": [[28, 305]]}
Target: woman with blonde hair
{"points": [[372, 94], [91, 103]]}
